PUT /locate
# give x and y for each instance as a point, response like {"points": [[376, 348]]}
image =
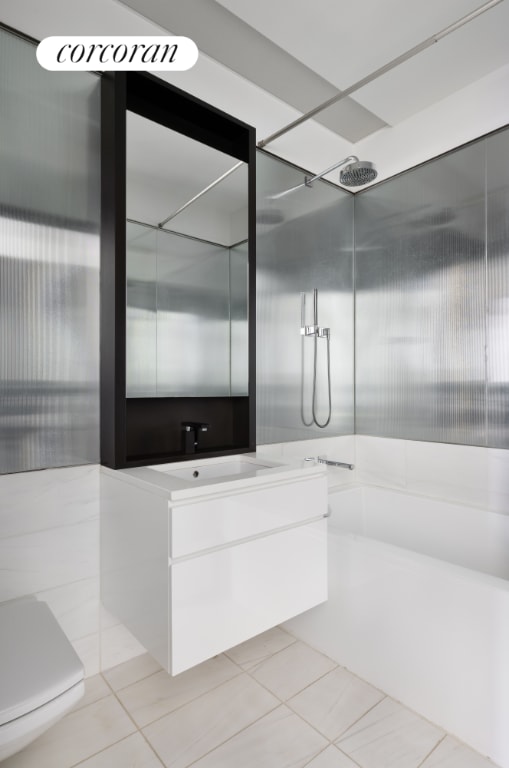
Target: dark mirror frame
{"points": [[140, 431]]}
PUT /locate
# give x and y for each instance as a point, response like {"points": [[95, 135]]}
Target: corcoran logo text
{"points": [[117, 53]]}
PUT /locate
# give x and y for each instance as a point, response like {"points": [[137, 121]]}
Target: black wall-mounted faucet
{"points": [[190, 433]]}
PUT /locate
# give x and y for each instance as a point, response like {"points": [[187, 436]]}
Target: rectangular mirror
{"points": [[186, 323], [178, 275]]}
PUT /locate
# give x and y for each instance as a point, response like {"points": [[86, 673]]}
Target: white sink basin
{"points": [[204, 471]]}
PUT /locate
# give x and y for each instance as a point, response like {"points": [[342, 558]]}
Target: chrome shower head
{"points": [[357, 174]]}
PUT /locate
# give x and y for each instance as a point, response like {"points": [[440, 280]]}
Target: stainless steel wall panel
{"points": [[49, 263], [304, 241], [420, 303]]}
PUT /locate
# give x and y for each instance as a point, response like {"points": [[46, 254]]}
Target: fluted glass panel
{"points": [[304, 242], [141, 316], [497, 325], [420, 302], [49, 263], [239, 319], [193, 318], [178, 315]]}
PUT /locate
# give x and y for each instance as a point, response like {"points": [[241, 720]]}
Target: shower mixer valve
{"points": [[309, 330], [315, 329]]}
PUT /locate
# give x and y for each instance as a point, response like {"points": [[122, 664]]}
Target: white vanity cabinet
{"points": [[194, 570]]}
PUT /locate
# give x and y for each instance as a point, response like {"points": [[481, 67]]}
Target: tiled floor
{"points": [[272, 702]]}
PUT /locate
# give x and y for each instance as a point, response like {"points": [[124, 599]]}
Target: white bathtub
{"points": [[419, 607]]}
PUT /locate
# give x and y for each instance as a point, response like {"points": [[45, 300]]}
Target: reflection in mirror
{"points": [[187, 281]]}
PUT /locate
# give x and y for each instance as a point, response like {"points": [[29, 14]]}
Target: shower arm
{"points": [[308, 180], [200, 194]]}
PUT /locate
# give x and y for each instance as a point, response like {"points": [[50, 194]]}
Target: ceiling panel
{"points": [[226, 38], [333, 42], [343, 40], [470, 53]]}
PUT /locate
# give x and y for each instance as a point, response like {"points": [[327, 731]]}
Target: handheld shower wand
{"points": [[316, 332]]}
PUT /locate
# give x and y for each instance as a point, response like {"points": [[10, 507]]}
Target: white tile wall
{"points": [[498, 480], [460, 473], [336, 448], [49, 522], [49, 547], [381, 461]]}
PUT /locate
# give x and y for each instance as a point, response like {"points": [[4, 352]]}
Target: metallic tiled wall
{"points": [[304, 241], [49, 263]]}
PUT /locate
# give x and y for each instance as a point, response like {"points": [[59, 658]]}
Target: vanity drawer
{"points": [[225, 597], [213, 522]]}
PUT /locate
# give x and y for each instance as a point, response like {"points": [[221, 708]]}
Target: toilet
{"points": [[41, 676]]}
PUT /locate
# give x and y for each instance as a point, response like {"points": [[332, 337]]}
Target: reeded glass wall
{"points": [[497, 316], [432, 300], [304, 241], [186, 316], [239, 297], [49, 262]]}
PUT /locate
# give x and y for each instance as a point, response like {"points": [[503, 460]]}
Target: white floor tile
{"points": [[278, 740], [78, 736], [259, 648], [133, 752], [292, 669], [202, 725], [331, 758], [131, 671], [118, 645], [390, 736], [452, 754], [216, 716], [88, 649], [335, 701], [160, 694], [95, 688]]}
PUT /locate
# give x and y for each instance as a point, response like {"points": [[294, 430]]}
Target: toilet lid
{"points": [[37, 661]]}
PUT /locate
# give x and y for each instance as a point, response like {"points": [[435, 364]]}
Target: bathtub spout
{"points": [[330, 462]]}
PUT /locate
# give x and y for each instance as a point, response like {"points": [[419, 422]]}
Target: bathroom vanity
{"points": [[197, 557]]}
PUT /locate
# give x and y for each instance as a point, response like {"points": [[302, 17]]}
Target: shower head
{"points": [[357, 174]]}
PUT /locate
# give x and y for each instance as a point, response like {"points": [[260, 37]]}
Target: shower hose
{"points": [[314, 419]]}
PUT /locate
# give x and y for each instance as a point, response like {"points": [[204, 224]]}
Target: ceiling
{"points": [[268, 62]]}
